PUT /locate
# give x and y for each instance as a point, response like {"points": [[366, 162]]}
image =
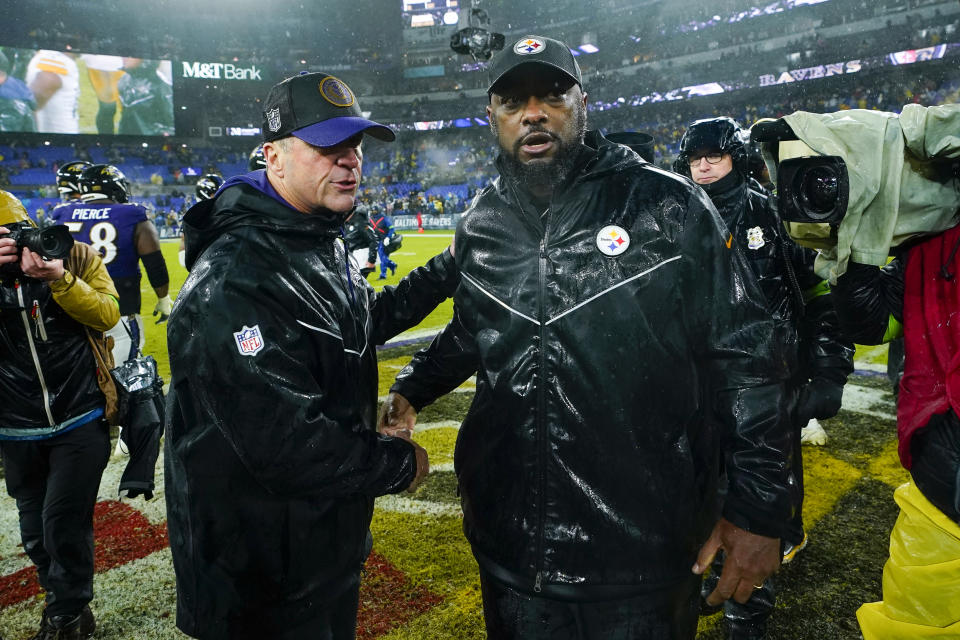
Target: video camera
{"points": [[854, 184], [476, 40], [52, 243]]}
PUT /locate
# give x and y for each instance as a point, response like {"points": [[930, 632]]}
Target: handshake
{"points": [[397, 420]]}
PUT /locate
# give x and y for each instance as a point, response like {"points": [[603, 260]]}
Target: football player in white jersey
{"points": [[55, 81]]}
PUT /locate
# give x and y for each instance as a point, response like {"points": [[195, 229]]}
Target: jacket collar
{"points": [[727, 194], [597, 157], [241, 205]]}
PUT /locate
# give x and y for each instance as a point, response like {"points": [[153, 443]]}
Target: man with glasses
{"points": [[715, 154]]}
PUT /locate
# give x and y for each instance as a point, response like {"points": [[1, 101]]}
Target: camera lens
{"points": [[53, 242], [813, 189], [818, 190]]}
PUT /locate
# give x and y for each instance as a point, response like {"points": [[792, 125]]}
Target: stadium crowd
{"points": [[448, 164]]}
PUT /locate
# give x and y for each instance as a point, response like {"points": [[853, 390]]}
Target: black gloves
{"points": [[819, 399]]}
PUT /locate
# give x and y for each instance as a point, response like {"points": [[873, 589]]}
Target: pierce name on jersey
{"points": [[108, 228]]}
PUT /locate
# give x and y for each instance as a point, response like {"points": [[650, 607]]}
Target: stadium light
{"points": [[589, 48], [451, 18]]}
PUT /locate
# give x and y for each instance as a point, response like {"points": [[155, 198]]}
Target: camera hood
{"points": [[900, 178]]}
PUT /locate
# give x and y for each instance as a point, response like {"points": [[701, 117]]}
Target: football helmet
{"points": [[68, 178], [208, 185], [257, 160], [104, 181]]}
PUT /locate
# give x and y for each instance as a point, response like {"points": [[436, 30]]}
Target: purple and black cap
{"points": [[533, 50], [319, 109]]}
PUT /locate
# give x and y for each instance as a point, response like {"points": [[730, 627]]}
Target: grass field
{"points": [[421, 582]]}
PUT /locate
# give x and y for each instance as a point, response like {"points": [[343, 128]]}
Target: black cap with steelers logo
{"points": [[319, 109], [533, 50]]}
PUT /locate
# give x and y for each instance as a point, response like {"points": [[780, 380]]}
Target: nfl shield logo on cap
{"points": [[273, 119], [526, 46], [249, 341]]}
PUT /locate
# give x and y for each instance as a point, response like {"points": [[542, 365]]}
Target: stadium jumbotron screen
{"points": [[50, 91], [430, 13]]}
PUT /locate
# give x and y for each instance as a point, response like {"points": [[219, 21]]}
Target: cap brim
{"points": [[332, 132], [530, 63]]}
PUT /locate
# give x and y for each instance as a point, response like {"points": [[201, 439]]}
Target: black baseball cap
{"points": [[533, 50], [319, 109]]}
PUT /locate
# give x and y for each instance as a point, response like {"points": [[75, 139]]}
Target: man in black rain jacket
{"points": [[598, 295], [272, 457], [715, 154]]}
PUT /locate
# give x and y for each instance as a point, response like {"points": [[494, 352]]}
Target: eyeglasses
{"points": [[712, 158]]}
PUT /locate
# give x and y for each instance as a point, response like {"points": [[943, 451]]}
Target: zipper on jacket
{"points": [[33, 352], [541, 408]]}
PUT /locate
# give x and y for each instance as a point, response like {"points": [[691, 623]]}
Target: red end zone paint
{"points": [[388, 600], [122, 534]]}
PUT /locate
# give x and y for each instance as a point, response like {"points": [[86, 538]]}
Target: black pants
{"points": [[936, 463], [747, 619], [55, 483], [336, 621], [669, 614], [750, 618]]}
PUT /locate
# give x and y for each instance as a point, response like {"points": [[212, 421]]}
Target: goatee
{"points": [[543, 175]]}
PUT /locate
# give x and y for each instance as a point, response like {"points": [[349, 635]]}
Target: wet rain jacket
{"points": [[588, 460], [272, 458], [52, 374], [796, 295]]}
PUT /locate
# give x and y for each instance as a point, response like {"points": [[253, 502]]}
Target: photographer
{"points": [[56, 391], [859, 186], [915, 297]]}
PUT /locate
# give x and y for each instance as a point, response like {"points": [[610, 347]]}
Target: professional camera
{"points": [[52, 243], [811, 188], [476, 40], [856, 184], [814, 189]]}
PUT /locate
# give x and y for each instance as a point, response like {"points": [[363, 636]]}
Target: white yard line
{"points": [[11, 552], [402, 504], [865, 400], [440, 424]]}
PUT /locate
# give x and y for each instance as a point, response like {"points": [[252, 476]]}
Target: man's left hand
{"points": [[821, 398], [36, 267], [397, 417], [751, 559]]}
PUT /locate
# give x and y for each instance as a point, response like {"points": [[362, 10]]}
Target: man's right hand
{"points": [[397, 417], [423, 466], [8, 248]]}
